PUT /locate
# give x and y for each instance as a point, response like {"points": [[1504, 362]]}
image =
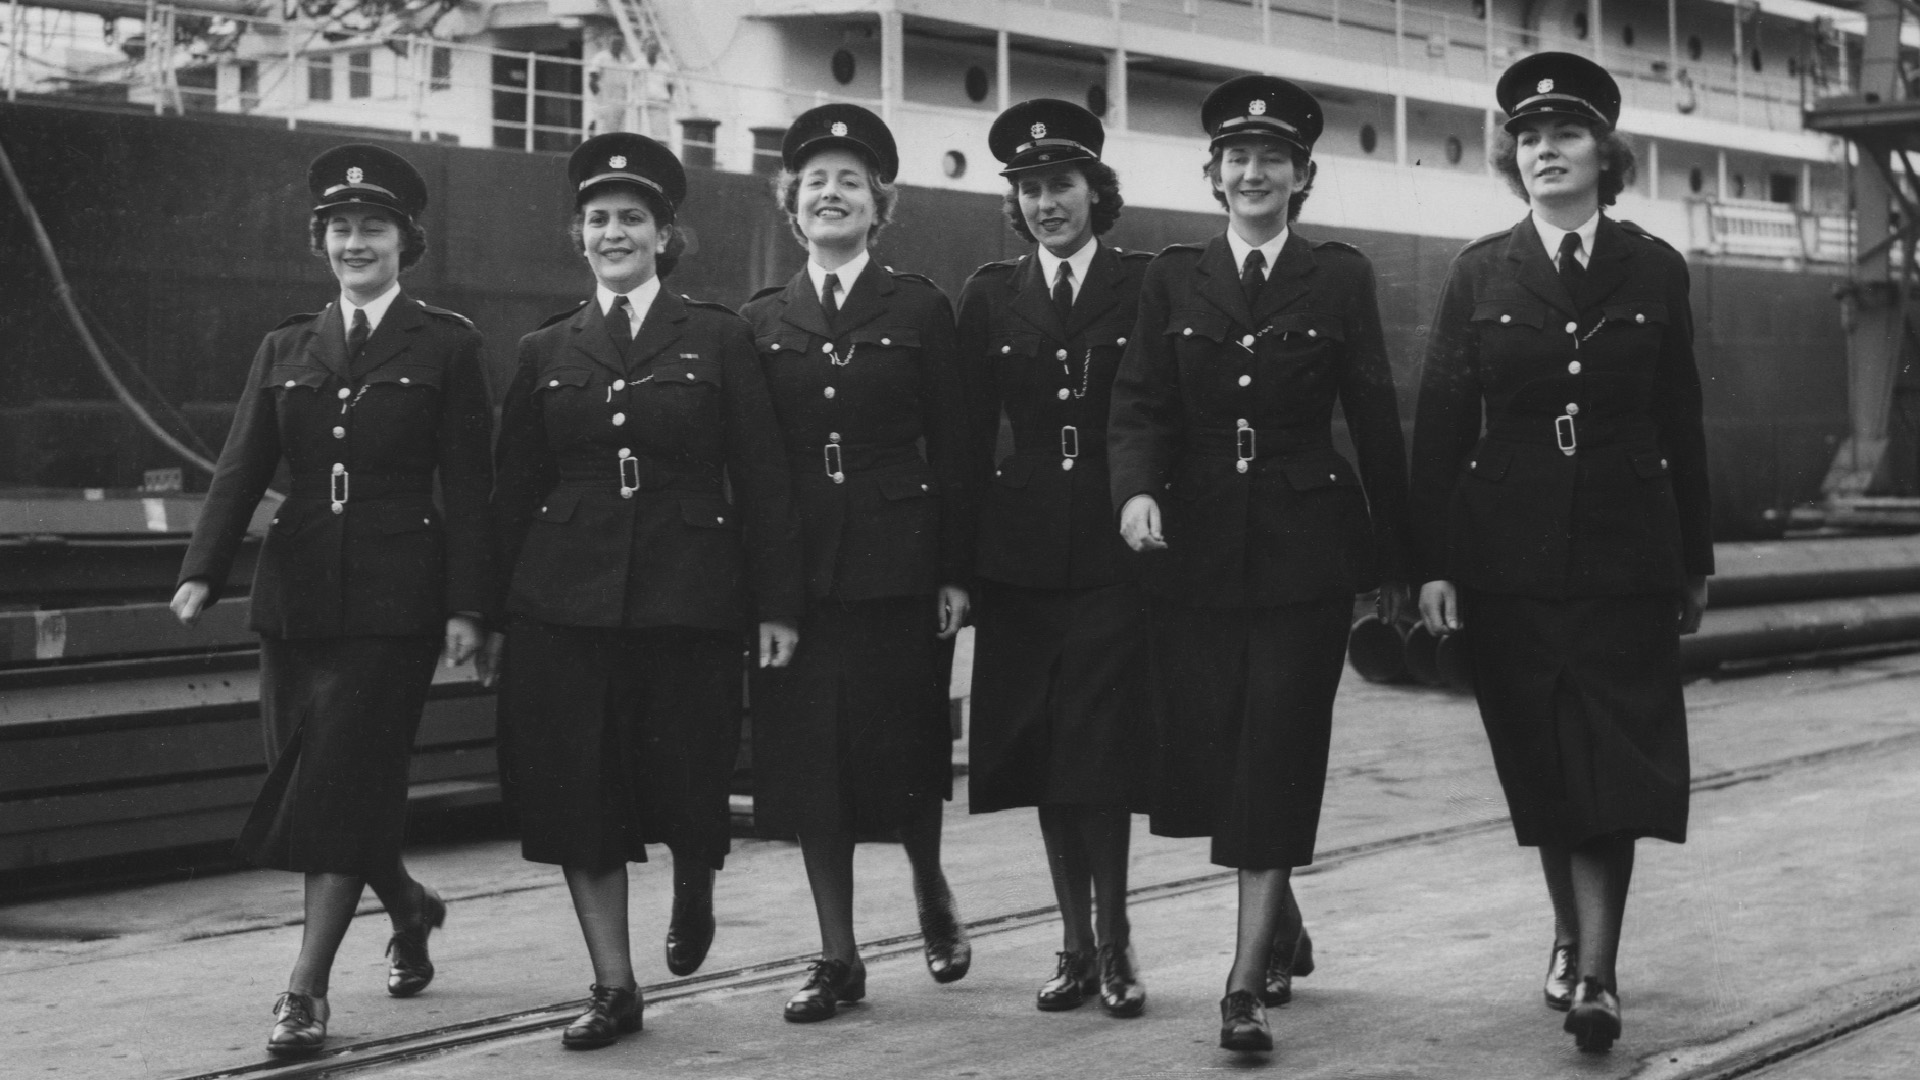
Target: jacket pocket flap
{"points": [[782, 341], [288, 376], [1312, 324], [1211, 325], [706, 513], [1650, 465], [687, 370], [555, 378], [1636, 311], [557, 506], [907, 486], [1011, 344], [1511, 313], [1014, 472], [902, 337], [1490, 461], [1321, 472], [407, 375]]}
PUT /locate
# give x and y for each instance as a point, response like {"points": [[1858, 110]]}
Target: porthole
{"points": [[843, 66], [1369, 138], [1097, 100], [954, 164], [1454, 150], [976, 83], [1696, 180]]}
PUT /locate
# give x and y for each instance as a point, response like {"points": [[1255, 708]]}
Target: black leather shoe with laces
{"points": [[409, 968], [299, 1025], [1561, 965], [1074, 979], [690, 933], [1288, 961], [1594, 1020], [948, 953], [1121, 992], [612, 1011], [1243, 1023], [830, 984]]}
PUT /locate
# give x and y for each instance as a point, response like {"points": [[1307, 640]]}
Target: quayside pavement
{"points": [[1782, 942]]}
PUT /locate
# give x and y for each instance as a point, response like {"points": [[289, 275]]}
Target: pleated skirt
{"points": [[1243, 703], [339, 716], [1583, 708], [1059, 701], [854, 734], [614, 739]]}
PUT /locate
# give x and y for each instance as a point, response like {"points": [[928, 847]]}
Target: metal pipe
{"points": [[1775, 630], [1422, 663], [1378, 650], [1793, 570], [1455, 667]]}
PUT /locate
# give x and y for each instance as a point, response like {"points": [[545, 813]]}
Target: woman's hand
{"points": [[1440, 607], [1140, 524], [1392, 601], [464, 638], [190, 599], [778, 639], [954, 608], [486, 660], [1693, 604]]}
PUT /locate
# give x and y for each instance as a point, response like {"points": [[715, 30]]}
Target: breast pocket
{"points": [[1299, 331], [884, 339], [780, 343], [687, 372], [1510, 329]]}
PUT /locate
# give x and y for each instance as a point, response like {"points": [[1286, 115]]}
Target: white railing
{"points": [[1767, 230]]}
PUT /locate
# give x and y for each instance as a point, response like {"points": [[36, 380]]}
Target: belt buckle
{"points": [[1563, 434], [830, 454], [338, 486], [1069, 445], [628, 465], [1245, 446]]}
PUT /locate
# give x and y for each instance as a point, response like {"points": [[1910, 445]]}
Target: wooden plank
{"points": [[59, 813], [123, 630], [116, 757], [103, 840]]}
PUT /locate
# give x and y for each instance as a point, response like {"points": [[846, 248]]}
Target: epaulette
{"points": [[1125, 254], [295, 320], [711, 305], [1337, 245], [1487, 239], [1001, 264], [560, 316], [1195, 248], [445, 314], [768, 291], [903, 275], [1638, 231]]}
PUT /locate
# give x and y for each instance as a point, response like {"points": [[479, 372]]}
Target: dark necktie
{"points": [[621, 316], [1572, 274], [1253, 275], [830, 296], [357, 337], [1063, 292]]}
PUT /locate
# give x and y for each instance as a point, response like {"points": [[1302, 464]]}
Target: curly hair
{"points": [[1302, 162], [667, 257], [413, 238], [1100, 177], [1616, 162], [786, 192]]}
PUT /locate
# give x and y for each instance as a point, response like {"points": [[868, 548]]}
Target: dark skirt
{"points": [[339, 717], [854, 734], [611, 740], [1583, 708], [1060, 711], [1244, 704]]}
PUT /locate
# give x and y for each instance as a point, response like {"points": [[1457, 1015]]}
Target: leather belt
{"points": [[1067, 443], [1246, 444], [838, 458], [627, 473], [1572, 430], [341, 485]]}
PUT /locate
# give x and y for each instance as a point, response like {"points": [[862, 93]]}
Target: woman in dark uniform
{"points": [[364, 580], [1224, 467], [1573, 536], [1059, 712], [635, 582], [854, 740]]}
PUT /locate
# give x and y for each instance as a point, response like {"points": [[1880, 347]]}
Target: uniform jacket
{"points": [[883, 387], [360, 546], [1046, 515], [1273, 515], [615, 463], [1609, 376]]}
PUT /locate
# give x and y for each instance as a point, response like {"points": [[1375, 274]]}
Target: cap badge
{"points": [[1545, 86], [1257, 107], [354, 175], [1038, 131], [617, 161], [839, 128]]}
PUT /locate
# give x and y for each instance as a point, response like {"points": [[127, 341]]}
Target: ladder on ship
{"points": [[646, 38]]}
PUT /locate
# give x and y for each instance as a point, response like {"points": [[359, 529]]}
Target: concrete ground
{"points": [[1782, 941]]}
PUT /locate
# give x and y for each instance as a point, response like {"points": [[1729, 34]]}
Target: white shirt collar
{"points": [[640, 300], [1271, 249], [1550, 236], [376, 310], [1080, 261], [848, 273]]}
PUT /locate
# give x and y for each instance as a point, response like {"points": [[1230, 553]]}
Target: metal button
{"points": [[543, 509], [619, 418], [1573, 368], [1313, 333], [1065, 393], [689, 374], [339, 433], [1188, 332], [839, 478], [1239, 466], [339, 508], [1663, 463], [626, 452], [1506, 318], [923, 487], [619, 384], [404, 381], [626, 493], [1474, 464], [1061, 355], [1005, 349], [289, 384], [721, 520], [1573, 327], [551, 382], [1066, 464], [1641, 317], [826, 346], [1246, 380], [1332, 477], [776, 346], [426, 521], [1241, 423], [345, 393], [886, 341], [833, 436], [1122, 341], [1247, 341], [1572, 409], [828, 392]]}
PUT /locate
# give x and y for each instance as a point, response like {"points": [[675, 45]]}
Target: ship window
{"points": [[1479, 9], [1454, 150], [842, 65], [1739, 186], [1369, 138], [697, 141], [954, 164], [1696, 180], [1626, 35], [976, 83], [766, 150], [1757, 59], [320, 78], [1580, 27], [249, 84], [360, 74], [1097, 99], [441, 68], [1783, 188], [1694, 48]]}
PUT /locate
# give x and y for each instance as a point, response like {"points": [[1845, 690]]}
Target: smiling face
{"points": [[1057, 204], [1559, 162], [834, 205], [1257, 176], [363, 248], [621, 237]]}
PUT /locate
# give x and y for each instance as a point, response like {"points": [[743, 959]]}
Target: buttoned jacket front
{"points": [[1222, 412], [1558, 449], [616, 462], [1046, 517], [876, 425], [360, 546]]}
